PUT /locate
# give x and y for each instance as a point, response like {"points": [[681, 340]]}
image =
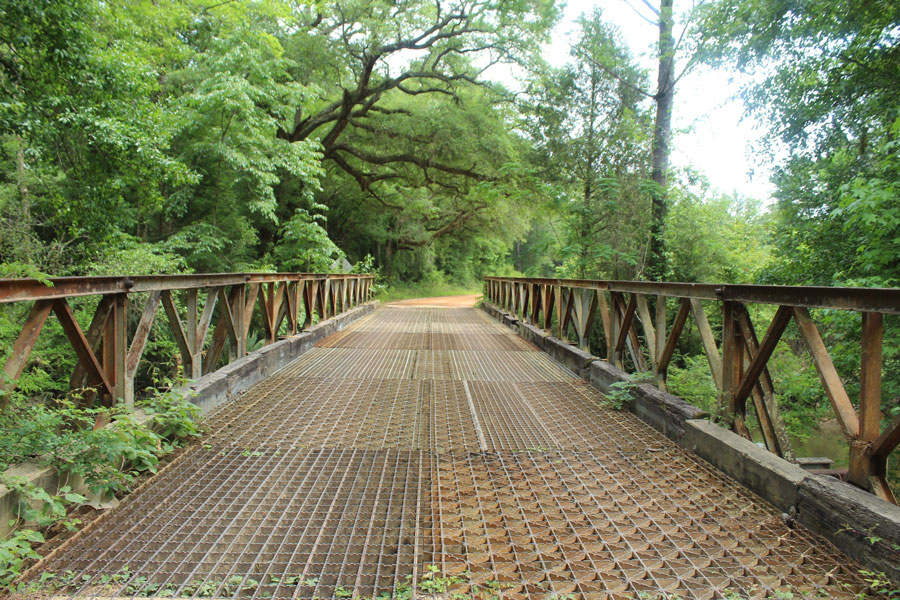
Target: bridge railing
{"points": [[206, 313], [738, 359]]}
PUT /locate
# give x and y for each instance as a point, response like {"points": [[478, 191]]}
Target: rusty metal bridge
{"points": [[426, 452]]}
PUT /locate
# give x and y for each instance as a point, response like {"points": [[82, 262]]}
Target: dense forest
{"points": [[183, 135], [177, 136]]}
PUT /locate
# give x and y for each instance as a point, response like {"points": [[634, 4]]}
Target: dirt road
{"points": [[467, 301]]}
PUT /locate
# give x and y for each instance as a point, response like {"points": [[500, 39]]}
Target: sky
{"points": [[711, 131]]}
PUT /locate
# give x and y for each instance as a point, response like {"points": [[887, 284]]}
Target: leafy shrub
{"points": [[108, 459], [694, 383]]}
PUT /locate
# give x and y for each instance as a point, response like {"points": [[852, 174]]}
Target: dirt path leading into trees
{"points": [[467, 301]]}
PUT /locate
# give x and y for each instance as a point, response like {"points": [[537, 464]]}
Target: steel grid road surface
{"points": [[431, 452]]}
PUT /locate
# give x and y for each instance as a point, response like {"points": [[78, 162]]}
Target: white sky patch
{"points": [[712, 131]]}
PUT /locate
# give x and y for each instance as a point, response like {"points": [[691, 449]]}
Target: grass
{"points": [[425, 289]]}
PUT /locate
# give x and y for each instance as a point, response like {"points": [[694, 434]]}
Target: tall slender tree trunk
{"points": [[24, 195], [657, 267], [388, 258]]}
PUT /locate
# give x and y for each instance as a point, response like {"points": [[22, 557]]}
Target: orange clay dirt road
{"points": [[467, 301]]}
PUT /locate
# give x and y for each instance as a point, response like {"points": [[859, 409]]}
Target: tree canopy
{"points": [[168, 135]]}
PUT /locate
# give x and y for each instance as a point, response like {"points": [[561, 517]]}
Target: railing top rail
{"points": [[15, 290], [882, 300]]}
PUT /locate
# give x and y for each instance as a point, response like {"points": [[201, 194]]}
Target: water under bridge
{"points": [[433, 452]]}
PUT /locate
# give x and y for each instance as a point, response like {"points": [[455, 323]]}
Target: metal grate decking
{"points": [[429, 448]]}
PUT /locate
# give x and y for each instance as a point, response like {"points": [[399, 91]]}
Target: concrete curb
{"points": [[771, 477], [209, 392], [859, 524], [866, 528]]}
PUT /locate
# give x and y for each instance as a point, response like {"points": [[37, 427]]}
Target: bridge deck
{"points": [[428, 447]]}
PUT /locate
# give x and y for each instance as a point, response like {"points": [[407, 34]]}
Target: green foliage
{"points": [[714, 238], [14, 551], [305, 245], [107, 459], [590, 132], [798, 391], [880, 584], [38, 508], [621, 393], [870, 214], [689, 378]]}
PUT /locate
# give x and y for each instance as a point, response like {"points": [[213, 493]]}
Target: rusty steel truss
{"points": [[206, 313], [368, 470], [739, 366]]}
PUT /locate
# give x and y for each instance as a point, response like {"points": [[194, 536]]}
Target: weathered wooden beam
{"points": [[649, 331], [764, 352], [548, 299], [191, 323], [625, 324], [881, 489], [660, 318], [708, 341], [605, 320], [566, 299], [634, 348], [115, 345], [888, 440], [831, 381], [310, 299], [861, 466], [178, 330], [93, 335], [206, 318], [279, 309], [138, 342], [774, 429], [870, 376], [96, 375], [883, 300], [614, 320], [22, 347], [225, 330], [729, 346], [584, 305], [672, 342]]}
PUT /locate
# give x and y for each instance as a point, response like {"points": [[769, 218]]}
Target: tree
{"points": [[663, 98], [825, 80], [662, 135], [79, 119], [418, 48], [712, 237], [590, 132]]}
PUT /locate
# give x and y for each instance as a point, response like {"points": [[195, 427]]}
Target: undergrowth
{"points": [[107, 459], [432, 584]]}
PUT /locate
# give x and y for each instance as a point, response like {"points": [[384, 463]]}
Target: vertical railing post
{"points": [[861, 464], [115, 346], [659, 371], [732, 366], [611, 354], [192, 370]]}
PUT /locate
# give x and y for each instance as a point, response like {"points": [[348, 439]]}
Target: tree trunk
{"points": [[24, 195], [388, 258], [657, 268]]}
